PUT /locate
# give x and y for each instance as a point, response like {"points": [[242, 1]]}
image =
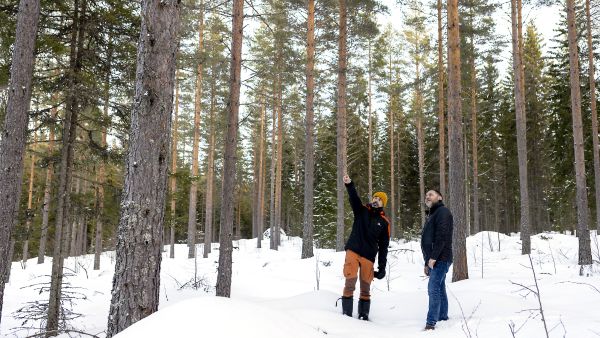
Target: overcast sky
{"points": [[546, 20]]}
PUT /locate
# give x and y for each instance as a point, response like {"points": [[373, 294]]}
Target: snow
{"points": [[274, 293]]}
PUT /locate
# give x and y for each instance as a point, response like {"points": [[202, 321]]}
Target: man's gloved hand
{"points": [[379, 274]]}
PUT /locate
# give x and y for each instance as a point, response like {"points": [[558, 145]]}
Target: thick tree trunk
{"points": [[136, 281], [192, 227], [342, 133], [441, 117], [210, 175], [457, 162], [592, 78], [61, 242], [585, 252], [47, 193], [14, 137], [309, 149], [226, 247], [30, 213], [521, 128], [174, 169]]}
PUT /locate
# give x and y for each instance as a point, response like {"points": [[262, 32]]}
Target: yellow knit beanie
{"points": [[382, 196]]}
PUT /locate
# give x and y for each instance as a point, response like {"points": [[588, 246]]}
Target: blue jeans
{"points": [[438, 299]]}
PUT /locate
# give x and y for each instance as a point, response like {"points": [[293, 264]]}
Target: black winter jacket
{"points": [[436, 238], [370, 231]]}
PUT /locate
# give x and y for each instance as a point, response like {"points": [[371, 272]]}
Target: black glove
{"points": [[379, 274]]}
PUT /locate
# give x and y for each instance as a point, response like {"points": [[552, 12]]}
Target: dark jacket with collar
{"points": [[436, 238], [370, 234]]}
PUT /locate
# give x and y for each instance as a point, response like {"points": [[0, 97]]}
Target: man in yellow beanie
{"points": [[370, 237]]}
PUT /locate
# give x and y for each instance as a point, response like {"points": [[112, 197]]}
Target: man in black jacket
{"points": [[436, 245], [370, 236]]}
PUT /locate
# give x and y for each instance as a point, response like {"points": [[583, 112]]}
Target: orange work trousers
{"points": [[353, 263]]}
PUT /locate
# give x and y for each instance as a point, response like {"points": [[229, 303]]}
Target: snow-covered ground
{"points": [[277, 294]]}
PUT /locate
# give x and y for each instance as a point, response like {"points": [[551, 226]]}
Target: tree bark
{"points": [[210, 170], [14, 134], [261, 177], [192, 228], [29, 213], [419, 127], [174, 168], [47, 192], [474, 141], [585, 252], [101, 178], [592, 79], [309, 150], [342, 133], [521, 127], [75, 221], [441, 117], [456, 156], [61, 243], [136, 281], [276, 240], [226, 247], [272, 199], [370, 122], [392, 164]]}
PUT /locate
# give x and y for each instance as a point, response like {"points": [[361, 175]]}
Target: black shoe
{"points": [[363, 309], [429, 327], [347, 305]]}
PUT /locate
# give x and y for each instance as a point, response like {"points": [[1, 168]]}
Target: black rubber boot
{"points": [[347, 305], [363, 309]]}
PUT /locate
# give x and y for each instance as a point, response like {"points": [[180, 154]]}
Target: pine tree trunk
{"points": [[75, 221], [191, 240], [592, 78], [14, 137], [309, 150], [342, 133], [62, 222], [474, 142], [210, 170], [272, 178], [392, 164], [174, 168], [370, 122], [101, 177], [399, 184], [136, 282], [226, 247], [420, 133], [30, 213], [457, 162], [47, 192], [441, 117], [261, 178], [278, 174], [521, 128], [585, 252]]}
